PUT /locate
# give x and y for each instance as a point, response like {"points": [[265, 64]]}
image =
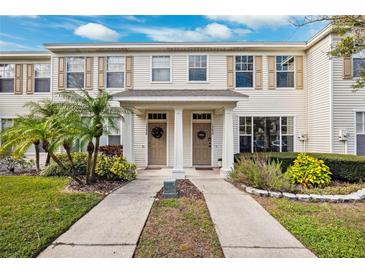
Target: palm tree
{"points": [[99, 111], [43, 109], [16, 140]]}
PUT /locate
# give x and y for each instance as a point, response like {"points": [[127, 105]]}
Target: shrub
{"points": [[111, 150], [257, 171], [12, 163], [309, 172], [349, 168], [80, 162], [115, 168]]}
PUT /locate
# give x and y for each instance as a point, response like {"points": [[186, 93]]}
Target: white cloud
{"points": [[133, 18], [95, 31], [253, 21], [5, 45], [210, 32]]}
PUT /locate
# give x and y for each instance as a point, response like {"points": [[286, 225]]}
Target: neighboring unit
{"points": [[195, 104]]}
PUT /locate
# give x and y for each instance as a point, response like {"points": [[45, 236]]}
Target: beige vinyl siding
{"points": [[319, 97], [283, 102], [345, 102], [217, 72]]}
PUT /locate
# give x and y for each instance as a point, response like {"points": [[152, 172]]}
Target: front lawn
{"points": [[329, 230], [179, 227], [35, 210]]}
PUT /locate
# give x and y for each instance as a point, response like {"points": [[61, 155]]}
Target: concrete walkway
{"points": [[112, 228], [244, 228]]}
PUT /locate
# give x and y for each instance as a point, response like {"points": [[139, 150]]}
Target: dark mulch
{"points": [[184, 188], [101, 186]]}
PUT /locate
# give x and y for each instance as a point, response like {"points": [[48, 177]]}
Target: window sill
{"points": [[198, 82], [160, 82]]}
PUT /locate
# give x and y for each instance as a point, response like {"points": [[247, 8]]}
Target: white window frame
{"points": [[355, 127], [253, 73], [207, 69], [106, 73], [280, 131], [9, 92], [50, 78], [66, 72], [151, 70], [294, 73], [359, 55]]}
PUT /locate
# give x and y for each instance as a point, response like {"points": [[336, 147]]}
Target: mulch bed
{"points": [[184, 188], [102, 187], [179, 227]]}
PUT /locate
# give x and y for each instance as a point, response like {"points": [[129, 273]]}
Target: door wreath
{"points": [[201, 135], [157, 132]]}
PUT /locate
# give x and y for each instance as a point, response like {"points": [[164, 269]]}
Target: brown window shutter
{"points": [[347, 68], [258, 72], [271, 68], [101, 72], [30, 71], [89, 73], [61, 73], [18, 79], [129, 72], [230, 72], [299, 82]]}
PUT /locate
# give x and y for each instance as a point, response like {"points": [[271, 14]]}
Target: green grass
{"points": [[35, 210], [329, 230], [179, 228]]}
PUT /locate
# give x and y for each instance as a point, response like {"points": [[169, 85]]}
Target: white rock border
{"points": [[352, 197]]}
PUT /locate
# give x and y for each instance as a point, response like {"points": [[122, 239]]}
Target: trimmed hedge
{"points": [[343, 167]]}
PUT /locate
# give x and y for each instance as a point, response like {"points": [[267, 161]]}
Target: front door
{"points": [[202, 139], [157, 143]]}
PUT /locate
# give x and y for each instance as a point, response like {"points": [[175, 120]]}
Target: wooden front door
{"points": [[202, 143], [157, 143]]}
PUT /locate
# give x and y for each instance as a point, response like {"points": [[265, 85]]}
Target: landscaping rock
{"points": [[260, 192], [317, 198], [289, 195], [351, 198], [275, 194], [250, 189], [303, 197], [332, 198], [360, 193]]}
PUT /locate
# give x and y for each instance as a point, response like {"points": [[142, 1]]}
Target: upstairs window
{"points": [[198, 68], [244, 71], [75, 72], [42, 77], [115, 72], [285, 71], [161, 69], [358, 63], [7, 74]]}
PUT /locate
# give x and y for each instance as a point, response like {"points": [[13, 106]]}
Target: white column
{"points": [[178, 170], [227, 147], [128, 137]]}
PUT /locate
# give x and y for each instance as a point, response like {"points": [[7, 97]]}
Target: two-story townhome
{"points": [[196, 104]]}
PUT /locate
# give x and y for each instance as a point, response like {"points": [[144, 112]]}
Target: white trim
{"points": [[188, 66], [65, 76], [294, 73], [211, 122], [34, 78], [150, 71], [12, 63], [106, 71], [253, 74], [355, 130], [165, 121], [180, 98]]}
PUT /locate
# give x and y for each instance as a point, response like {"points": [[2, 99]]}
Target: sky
{"points": [[31, 32]]}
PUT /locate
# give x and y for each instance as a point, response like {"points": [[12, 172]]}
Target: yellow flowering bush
{"points": [[309, 172], [115, 168]]}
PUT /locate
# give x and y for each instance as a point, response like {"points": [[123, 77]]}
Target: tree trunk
{"points": [[90, 150], [48, 160], [69, 157], [36, 147], [96, 150]]}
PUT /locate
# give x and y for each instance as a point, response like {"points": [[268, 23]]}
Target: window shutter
{"points": [[271, 67], [101, 72], [129, 72], [89, 72], [61, 73], [347, 68], [18, 79], [230, 72], [30, 71], [299, 72], [258, 72]]}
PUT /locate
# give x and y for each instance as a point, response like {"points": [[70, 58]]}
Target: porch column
{"points": [[178, 170], [127, 137], [227, 147]]}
